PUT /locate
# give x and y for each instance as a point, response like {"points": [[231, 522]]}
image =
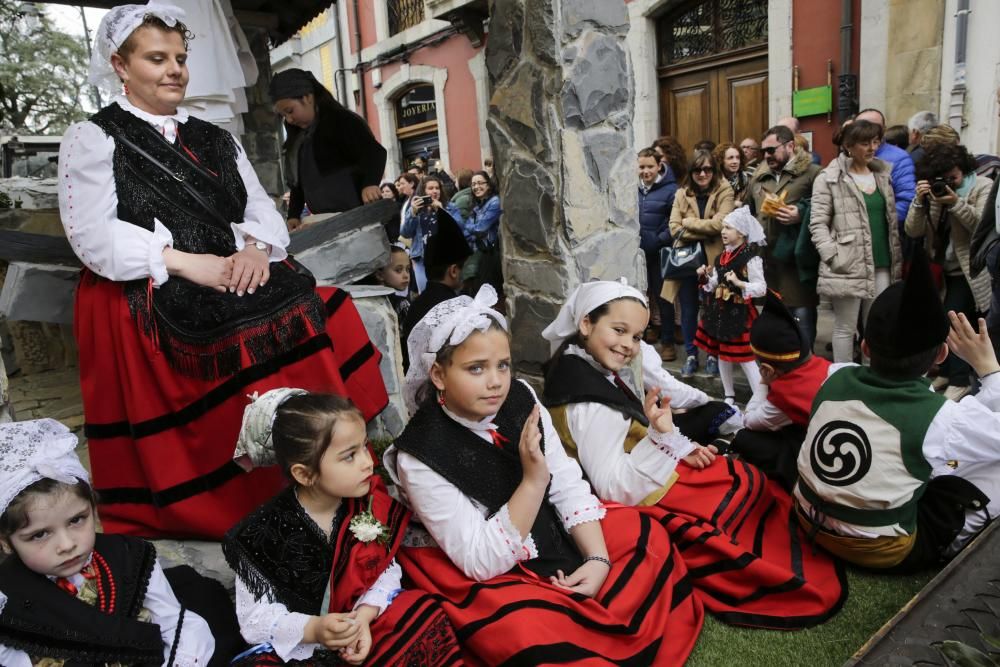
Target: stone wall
{"points": [[560, 125], [261, 128]]}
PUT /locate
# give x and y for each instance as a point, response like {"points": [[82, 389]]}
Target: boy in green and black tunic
{"points": [[892, 475]]}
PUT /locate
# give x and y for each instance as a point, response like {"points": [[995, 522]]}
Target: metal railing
{"points": [[404, 14]]}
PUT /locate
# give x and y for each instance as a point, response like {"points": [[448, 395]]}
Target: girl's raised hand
{"points": [[973, 347], [530, 447], [701, 457], [657, 409]]}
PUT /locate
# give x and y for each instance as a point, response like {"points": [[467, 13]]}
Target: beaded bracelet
{"points": [[599, 559]]}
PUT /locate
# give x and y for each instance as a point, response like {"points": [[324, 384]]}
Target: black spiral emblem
{"points": [[840, 454]]}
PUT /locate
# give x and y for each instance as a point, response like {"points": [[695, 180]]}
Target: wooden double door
{"points": [[721, 102]]}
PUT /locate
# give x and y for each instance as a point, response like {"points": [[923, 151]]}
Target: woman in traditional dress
{"points": [[187, 301]]}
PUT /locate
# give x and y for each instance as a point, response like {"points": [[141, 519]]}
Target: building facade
{"points": [[702, 69]]}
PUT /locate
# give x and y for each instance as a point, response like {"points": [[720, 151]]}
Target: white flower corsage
{"points": [[366, 528]]}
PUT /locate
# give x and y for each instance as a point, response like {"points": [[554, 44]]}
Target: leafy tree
{"points": [[43, 74]]}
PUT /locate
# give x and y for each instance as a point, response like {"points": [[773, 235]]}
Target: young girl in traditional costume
{"points": [[736, 278], [68, 594], [748, 560], [530, 567], [316, 576]]}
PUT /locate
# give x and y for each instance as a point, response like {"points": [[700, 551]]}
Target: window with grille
{"points": [[404, 14], [707, 27]]}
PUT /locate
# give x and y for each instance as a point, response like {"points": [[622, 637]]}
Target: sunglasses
{"points": [[771, 149], [703, 170]]}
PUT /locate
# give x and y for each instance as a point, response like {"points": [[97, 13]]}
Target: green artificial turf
{"points": [[872, 600]]}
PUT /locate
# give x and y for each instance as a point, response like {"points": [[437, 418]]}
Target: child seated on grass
{"points": [[891, 474], [790, 376]]}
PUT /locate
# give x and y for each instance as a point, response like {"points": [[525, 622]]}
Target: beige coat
{"points": [[686, 224], [965, 216], [842, 233]]}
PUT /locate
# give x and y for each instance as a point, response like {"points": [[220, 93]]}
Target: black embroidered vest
{"points": [[198, 329], [724, 316], [41, 619], [280, 550], [570, 379], [489, 474]]}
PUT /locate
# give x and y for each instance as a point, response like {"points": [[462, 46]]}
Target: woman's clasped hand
{"points": [[242, 272]]}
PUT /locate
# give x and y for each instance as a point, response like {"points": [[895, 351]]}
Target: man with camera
{"points": [[949, 203]]}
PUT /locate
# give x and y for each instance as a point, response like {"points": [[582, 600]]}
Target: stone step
{"points": [[710, 384]]}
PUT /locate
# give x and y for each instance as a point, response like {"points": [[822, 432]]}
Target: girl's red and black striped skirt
{"points": [[413, 630], [644, 613], [748, 558], [161, 443]]}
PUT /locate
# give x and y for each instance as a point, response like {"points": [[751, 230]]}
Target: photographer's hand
{"points": [[923, 190], [949, 199]]}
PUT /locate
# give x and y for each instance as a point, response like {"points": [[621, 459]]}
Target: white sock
{"points": [[726, 374], [752, 372]]}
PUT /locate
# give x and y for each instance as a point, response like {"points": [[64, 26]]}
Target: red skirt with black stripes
{"points": [[749, 560], [161, 443], [644, 614]]}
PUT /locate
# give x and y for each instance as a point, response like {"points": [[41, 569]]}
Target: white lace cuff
{"points": [[580, 515], [520, 549], [384, 590], [675, 444], [286, 637], [162, 238]]}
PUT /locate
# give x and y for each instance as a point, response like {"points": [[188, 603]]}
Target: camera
{"points": [[939, 187], [424, 201]]}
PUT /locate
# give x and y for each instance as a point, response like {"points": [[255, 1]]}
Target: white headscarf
{"points": [[585, 298], [114, 29], [255, 447], [449, 322], [34, 450], [742, 220]]}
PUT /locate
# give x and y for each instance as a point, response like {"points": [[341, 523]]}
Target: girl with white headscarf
{"points": [[730, 285], [187, 302], [316, 571], [613, 407], [524, 558], [68, 593]]}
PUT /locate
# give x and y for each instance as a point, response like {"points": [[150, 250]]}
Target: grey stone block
{"points": [[596, 82], [347, 255], [579, 15], [33, 192], [39, 292], [379, 318]]}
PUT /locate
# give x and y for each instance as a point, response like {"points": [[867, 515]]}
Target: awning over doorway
{"points": [[281, 18]]}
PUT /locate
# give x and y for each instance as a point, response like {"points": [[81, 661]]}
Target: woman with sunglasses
{"points": [[703, 200]]}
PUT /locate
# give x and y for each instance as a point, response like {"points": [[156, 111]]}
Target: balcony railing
{"points": [[404, 14]]}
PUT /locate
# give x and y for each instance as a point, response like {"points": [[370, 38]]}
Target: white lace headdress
{"points": [[255, 447], [449, 322], [585, 298], [35, 450], [114, 29], [742, 220]]}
